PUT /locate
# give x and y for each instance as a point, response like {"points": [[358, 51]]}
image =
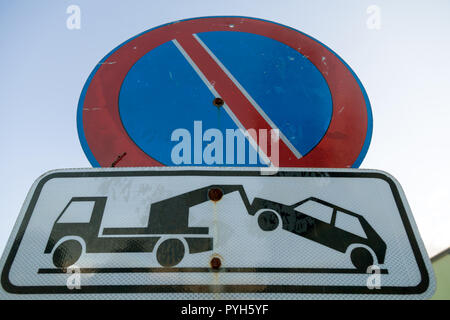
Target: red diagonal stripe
{"points": [[228, 91]]}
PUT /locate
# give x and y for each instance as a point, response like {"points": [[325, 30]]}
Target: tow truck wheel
{"points": [[67, 253], [170, 252], [361, 258], [268, 220]]}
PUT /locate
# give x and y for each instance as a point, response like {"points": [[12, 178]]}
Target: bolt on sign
{"points": [[177, 232]]}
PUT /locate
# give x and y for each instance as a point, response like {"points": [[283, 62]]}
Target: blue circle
{"points": [[162, 93]]}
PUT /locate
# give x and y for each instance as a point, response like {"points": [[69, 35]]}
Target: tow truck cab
{"points": [[78, 229]]}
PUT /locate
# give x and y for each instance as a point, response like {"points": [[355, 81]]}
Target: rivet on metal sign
{"points": [[218, 102], [215, 194], [215, 263]]}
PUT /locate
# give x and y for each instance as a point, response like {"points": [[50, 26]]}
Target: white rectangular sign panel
{"points": [[161, 233]]}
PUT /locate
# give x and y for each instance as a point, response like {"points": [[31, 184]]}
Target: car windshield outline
{"points": [[322, 215]]}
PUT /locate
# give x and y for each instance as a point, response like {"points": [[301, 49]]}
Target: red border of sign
{"points": [[107, 138]]}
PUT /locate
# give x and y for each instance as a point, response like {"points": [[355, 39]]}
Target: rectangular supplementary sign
{"points": [[162, 233]]}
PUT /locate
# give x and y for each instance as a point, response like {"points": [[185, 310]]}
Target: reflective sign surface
{"points": [[185, 233], [156, 91]]}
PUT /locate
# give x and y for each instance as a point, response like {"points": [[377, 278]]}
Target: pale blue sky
{"points": [[404, 67]]}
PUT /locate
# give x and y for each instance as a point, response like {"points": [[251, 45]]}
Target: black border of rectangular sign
{"points": [[420, 288]]}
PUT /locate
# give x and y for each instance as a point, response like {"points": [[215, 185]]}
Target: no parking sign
{"points": [[189, 93], [268, 76]]}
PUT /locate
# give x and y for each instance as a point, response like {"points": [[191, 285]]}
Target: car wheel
{"points": [[67, 253], [268, 221], [361, 258], [170, 252]]}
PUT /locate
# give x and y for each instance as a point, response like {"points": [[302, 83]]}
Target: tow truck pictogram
{"points": [[169, 222]]}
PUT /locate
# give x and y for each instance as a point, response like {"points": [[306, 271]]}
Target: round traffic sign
{"points": [[222, 74]]}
